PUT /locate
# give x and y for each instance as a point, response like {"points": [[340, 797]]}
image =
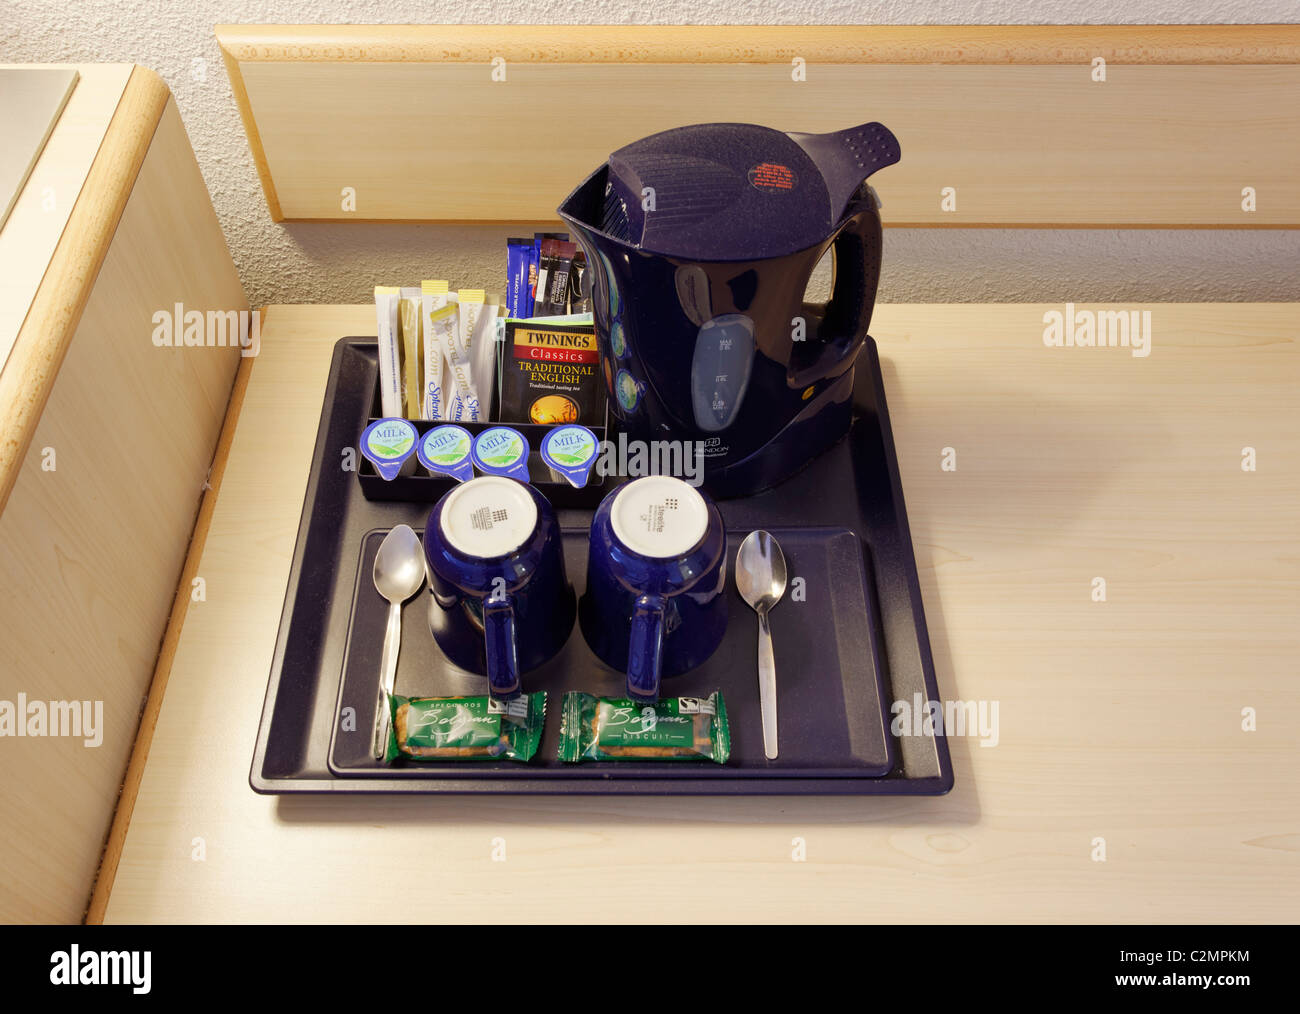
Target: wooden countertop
{"points": [[1118, 720]]}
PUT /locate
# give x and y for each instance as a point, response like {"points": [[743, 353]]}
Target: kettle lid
{"points": [[738, 191]]}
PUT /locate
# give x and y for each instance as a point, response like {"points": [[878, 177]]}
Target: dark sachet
{"points": [[550, 374], [579, 285], [553, 278]]}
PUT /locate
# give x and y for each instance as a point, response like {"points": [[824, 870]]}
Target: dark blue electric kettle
{"points": [[700, 243]]}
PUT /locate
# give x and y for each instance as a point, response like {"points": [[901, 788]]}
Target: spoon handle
{"points": [[767, 685], [387, 674]]}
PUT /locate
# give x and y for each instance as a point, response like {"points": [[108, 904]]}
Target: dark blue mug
{"points": [[655, 604], [500, 603]]}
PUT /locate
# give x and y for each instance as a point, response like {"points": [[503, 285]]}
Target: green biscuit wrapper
{"points": [[465, 728], [618, 729]]}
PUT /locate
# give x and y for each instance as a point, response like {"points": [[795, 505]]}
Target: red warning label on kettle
{"points": [[772, 176]]}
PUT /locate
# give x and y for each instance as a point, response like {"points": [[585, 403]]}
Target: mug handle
{"points": [[843, 328], [499, 638], [644, 649]]}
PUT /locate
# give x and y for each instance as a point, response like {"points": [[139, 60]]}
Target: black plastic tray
{"points": [[856, 643]]}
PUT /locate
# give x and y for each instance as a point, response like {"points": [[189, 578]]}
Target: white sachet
{"points": [[433, 296]]}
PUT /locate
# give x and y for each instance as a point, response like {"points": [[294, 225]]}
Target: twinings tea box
{"points": [[550, 374]]}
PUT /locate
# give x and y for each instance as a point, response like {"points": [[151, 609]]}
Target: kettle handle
{"points": [[843, 327]]}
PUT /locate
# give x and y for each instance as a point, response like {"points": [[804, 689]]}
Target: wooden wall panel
{"points": [[412, 120], [91, 551]]}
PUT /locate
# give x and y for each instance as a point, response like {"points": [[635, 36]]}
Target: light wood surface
{"points": [[411, 119], [31, 99], [91, 550], [1118, 720], [41, 212]]}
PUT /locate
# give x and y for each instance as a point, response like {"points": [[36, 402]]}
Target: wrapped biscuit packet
{"points": [[466, 728], [616, 729]]}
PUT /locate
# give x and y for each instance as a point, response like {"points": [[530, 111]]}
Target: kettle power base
{"points": [[853, 645]]}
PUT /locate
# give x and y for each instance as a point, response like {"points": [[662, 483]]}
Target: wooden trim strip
{"points": [[60, 300], [250, 129], [167, 653], [538, 223], [941, 44]]}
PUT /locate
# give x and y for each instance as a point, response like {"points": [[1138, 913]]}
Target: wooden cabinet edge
{"points": [[56, 310], [884, 44], [251, 131], [142, 232]]}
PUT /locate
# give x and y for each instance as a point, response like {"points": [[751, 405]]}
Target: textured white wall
{"points": [[341, 262]]}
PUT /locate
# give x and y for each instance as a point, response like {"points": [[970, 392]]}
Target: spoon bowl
{"points": [[399, 574], [760, 571], [761, 579], [399, 565]]}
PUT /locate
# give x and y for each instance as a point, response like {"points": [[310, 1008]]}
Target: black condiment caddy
{"points": [[420, 487]]}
